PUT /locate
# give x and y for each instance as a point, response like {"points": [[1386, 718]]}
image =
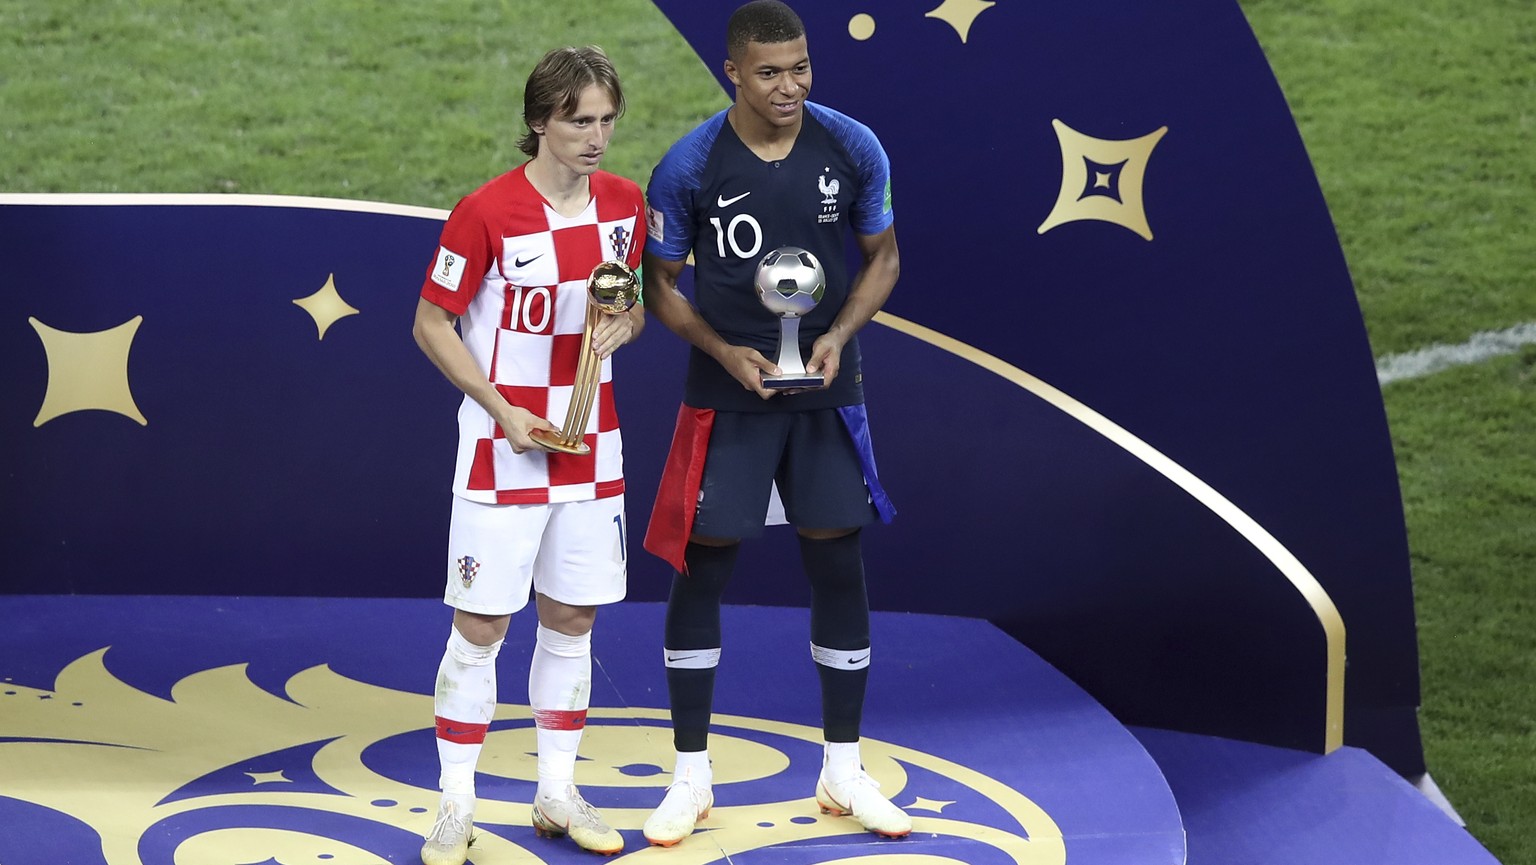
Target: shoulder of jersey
{"points": [[607, 180], [699, 138], [835, 120], [501, 186]]}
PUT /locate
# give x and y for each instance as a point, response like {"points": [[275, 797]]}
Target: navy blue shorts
{"points": [[809, 453]]}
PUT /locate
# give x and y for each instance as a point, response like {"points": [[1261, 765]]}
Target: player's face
{"points": [[772, 80], [577, 141]]}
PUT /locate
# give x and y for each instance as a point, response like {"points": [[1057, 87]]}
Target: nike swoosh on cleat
{"points": [[524, 262], [722, 201]]}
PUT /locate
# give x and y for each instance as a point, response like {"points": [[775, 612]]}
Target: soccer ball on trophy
{"points": [[790, 281]]}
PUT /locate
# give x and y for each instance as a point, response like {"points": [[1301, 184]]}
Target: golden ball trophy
{"points": [[612, 289]]}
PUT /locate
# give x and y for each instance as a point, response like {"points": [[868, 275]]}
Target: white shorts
{"points": [[572, 552]]}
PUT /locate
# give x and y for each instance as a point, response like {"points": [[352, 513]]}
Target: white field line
{"points": [[1483, 345]]}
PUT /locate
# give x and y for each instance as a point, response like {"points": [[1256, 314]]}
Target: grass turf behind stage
{"points": [[1419, 118], [412, 103]]}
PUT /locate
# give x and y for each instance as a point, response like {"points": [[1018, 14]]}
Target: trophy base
{"points": [[793, 380], [552, 439]]}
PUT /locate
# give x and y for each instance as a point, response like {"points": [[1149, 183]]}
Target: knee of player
{"points": [[480, 630], [572, 621]]}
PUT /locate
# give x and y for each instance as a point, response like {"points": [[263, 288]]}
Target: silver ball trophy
{"points": [[790, 282]]}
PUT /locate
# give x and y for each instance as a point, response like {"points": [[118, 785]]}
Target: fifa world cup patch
{"points": [[448, 269], [655, 224], [468, 568]]}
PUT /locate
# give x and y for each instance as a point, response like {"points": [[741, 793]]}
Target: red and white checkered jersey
{"points": [[515, 272]]}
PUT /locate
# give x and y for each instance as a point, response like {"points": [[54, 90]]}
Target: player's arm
{"points": [[871, 288], [440, 342], [745, 364]]}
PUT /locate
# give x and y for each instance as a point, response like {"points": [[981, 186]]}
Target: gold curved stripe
{"points": [[1288, 565]]}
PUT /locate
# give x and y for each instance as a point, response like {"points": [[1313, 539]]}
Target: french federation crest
{"points": [[468, 568], [829, 190]]}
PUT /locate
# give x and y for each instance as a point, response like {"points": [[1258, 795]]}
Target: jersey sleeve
{"points": [[669, 210], [871, 212], [464, 256], [642, 237]]}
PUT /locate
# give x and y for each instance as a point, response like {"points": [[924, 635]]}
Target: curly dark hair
{"points": [[767, 22]]}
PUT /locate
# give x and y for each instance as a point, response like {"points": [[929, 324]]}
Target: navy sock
{"points": [[839, 623], [693, 626]]}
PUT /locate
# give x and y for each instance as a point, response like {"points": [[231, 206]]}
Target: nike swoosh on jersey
{"points": [[722, 201], [524, 262]]}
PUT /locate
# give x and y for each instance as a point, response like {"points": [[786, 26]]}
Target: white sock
{"points": [[464, 702], [462, 803], [840, 760], [559, 691], [694, 767]]}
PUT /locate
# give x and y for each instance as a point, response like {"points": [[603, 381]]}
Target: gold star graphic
{"points": [[268, 778], [960, 14], [1124, 205], [88, 371], [937, 806], [326, 306]]}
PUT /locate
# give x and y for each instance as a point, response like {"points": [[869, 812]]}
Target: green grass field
{"points": [[413, 103], [1419, 118]]}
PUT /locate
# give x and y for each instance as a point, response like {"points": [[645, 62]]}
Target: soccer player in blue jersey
{"points": [[772, 170]]}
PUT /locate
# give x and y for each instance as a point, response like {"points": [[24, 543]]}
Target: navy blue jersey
{"points": [[713, 197]]}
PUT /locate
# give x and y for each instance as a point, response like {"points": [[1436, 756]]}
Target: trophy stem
{"points": [[789, 346], [588, 371]]}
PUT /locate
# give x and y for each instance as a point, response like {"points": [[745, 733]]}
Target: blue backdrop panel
{"points": [[1214, 323], [273, 462]]}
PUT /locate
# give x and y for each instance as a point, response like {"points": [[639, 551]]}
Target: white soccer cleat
{"points": [[684, 806], [448, 842], [575, 817], [860, 796]]}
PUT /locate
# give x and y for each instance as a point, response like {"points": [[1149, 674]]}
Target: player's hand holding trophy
{"points": [[611, 290]]}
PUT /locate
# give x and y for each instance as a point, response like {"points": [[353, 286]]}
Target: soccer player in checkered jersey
{"points": [[772, 170], [511, 273]]}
